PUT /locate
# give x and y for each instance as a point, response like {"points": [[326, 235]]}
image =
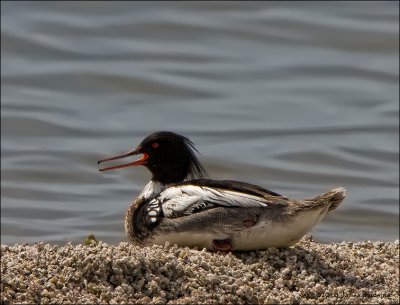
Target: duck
{"points": [[181, 205]]}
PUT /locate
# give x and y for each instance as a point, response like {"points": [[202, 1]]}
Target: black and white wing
{"points": [[188, 199]]}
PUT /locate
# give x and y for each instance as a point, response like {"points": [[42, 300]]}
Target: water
{"points": [[298, 97]]}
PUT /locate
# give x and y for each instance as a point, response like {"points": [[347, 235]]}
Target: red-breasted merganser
{"points": [[181, 206]]}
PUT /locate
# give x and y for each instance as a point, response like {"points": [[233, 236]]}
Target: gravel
{"points": [[309, 272]]}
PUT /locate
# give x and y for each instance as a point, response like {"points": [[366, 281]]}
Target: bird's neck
{"points": [[152, 190]]}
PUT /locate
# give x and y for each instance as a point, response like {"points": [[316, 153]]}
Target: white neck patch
{"points": [[151, 190]]}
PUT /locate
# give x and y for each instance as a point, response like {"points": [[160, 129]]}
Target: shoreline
{"points": [[308, 272]]}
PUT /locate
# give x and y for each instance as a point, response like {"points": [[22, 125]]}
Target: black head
{"points": [[170, 157]]}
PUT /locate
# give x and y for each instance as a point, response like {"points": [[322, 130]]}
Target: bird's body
{"points": [[213, 214]]}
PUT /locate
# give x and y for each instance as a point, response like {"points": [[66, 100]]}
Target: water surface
{"points": [[298, 97]]}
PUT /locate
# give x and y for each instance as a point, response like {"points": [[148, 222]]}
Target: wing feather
{"points": [[188, 199]]}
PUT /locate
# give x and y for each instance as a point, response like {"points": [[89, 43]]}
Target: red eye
{"points": [[155, 145]]}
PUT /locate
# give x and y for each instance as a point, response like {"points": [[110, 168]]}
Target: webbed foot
{"points": [[222, 244]]}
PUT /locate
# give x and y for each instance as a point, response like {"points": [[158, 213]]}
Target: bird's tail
{"points": [[331, 199]]}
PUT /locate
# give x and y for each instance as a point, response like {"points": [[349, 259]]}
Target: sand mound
{"points": [[309, 272]]}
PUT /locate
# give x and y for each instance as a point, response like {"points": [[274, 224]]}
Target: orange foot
{"points": [[222, 244]]}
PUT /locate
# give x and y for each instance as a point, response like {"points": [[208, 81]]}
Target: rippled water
{"points": [[298, 97]]}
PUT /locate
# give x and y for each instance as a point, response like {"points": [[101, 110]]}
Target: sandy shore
{"points": [[310, 272]]}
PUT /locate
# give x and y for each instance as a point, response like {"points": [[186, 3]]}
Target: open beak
{"points": [[136, 151]]}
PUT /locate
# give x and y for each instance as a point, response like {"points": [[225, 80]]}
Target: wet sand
{"points": [[309, 272]]}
